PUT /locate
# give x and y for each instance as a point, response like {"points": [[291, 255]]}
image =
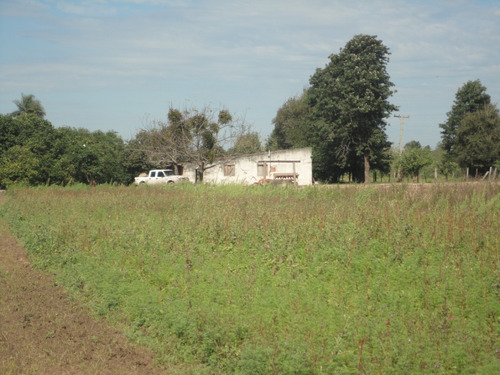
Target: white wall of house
{"points": [[250, 169]]}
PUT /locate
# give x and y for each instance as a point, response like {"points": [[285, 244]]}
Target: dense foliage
{"points": [[291, 125], [470, 98], [259, 280], [342, 115], [413, 159], [478, 139], [471, 134], [247, 143], [33, 152], [349, 99]]}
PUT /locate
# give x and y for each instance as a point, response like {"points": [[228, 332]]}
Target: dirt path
{"points": [[43, 332]]}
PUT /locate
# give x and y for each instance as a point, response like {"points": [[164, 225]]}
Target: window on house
{"points": [[229, 170]]}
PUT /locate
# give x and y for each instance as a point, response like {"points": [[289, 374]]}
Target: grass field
{"points": [[271, 280]]}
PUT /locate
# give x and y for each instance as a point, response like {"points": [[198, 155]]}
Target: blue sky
{"points": [[118, 65]]}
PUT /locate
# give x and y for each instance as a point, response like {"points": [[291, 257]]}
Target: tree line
{"points": [[34, 152], [342, 115]]}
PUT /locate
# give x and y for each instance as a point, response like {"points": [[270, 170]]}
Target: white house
{"points": [[294, 165]]}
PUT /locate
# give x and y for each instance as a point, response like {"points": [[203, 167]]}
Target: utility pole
{"points": [[401, 132]]}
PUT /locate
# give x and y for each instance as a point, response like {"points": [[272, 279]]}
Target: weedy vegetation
{"points": [[269, 280]]}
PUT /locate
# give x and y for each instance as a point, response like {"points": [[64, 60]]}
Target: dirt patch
{"points": [[43, 332]]}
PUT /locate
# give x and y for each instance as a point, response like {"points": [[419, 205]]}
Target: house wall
{"points": [[250, 169]]}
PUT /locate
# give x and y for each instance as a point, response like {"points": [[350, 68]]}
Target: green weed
{"points": [[271, 280]]}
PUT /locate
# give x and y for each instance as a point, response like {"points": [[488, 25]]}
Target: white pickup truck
{"points": [[160, 176]]}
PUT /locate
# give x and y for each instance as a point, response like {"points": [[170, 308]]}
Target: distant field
{"points": [[271, 280]]}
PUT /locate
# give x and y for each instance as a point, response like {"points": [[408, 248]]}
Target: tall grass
{"points": [[257, 280]]}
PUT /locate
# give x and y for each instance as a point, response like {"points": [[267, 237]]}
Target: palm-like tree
{"points": [[28, 105]]}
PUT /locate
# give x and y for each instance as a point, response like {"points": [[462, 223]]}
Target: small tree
{"points": [[445, 166], [190, 136], [135, 159], [414, 158], [247, 143], [478, 139], [28, 105]]}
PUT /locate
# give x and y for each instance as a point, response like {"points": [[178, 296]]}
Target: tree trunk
{"points": [[367, 167], [201, 170]]}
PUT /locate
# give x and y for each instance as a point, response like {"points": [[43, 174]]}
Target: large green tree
{"points": [[90, 157], [28, 105], [291, 125], [478, 139], [33, 139], [9, 131], [350, 105], [470, 98], [20, 165]]}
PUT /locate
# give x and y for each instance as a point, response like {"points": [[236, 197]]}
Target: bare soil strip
{"points": [[43, 332]]}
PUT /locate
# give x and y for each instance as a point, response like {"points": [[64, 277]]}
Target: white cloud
{"points": [[71, 8], [252, 54]]}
